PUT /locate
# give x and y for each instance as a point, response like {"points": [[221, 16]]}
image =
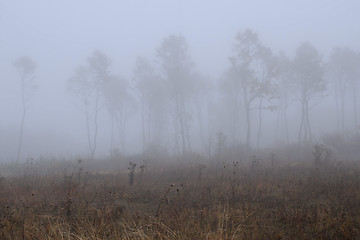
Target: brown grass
{"points": [[281, 200]]}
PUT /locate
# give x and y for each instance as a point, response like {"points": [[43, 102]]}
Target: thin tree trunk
{"points": [[302, 122], [186, 125], [152, 126], [342, 112], [248, 132], [286, 122], [176, 133], [355, 107], [308, 134], [122, 132], [181, 125], [201, 125], [338, 117], [247, 103], [260, 124], [112, 131], [88, 130], [187, 132], [143, 122], [22, 119], [95, 123]]}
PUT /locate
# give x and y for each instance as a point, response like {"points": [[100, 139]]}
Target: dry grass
{"points": [[235, 200]]}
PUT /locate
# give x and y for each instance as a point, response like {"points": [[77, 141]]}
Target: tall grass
{"points": [[256, 198]]}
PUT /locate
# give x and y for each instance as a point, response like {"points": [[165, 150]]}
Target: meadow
{"points": [[227, 196]]}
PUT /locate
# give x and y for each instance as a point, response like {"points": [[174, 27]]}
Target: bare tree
{"points": [[153, 98], [121, 105], [250, 77], [26, 69], [201, 89], [88, 83], [342, 71], [231, 91], [285, 89], [309, 79], [354, 83], [245, 49], [265, 71], [177, 69]]}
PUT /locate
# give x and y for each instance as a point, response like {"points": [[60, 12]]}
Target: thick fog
{"points": [[173, 74]]}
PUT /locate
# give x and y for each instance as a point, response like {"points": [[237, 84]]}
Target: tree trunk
{"points": [[260, 124], [22, 119], [112, 131], [248, 123], [286, 121], [88, 129], [308, 133], [180, 118], [342, 112], [355, 107], [201, 125], [300, 137], [94, 143], [143, 122]]}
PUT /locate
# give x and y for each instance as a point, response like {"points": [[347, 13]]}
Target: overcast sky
{"points": [[60, 34], [68, 30]]}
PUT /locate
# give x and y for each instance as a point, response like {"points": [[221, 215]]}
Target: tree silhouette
{"points": [[285, 90], [250, 77], [177, 70], [153, 98], [309, 80], [26, 69], [88, 83], [342, 70], [120, 104], [265, 70]]}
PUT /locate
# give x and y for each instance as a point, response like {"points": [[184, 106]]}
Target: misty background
{"points": [[60, 36]]}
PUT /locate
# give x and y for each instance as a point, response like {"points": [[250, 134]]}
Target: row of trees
{"points": [[257, 77], [166, 93], [173, 98], [261, 80], [173, 95]]}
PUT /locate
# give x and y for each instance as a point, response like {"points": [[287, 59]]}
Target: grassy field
{"points": [[255, 198]]}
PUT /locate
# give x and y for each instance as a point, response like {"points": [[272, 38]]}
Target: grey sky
{"points": [[60, 34], [55, 30]]}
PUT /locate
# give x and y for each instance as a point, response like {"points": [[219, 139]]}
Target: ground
{"points": [[184, 198]]}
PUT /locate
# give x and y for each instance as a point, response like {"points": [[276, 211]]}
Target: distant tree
{"points": [[121, 105], [265, 69], [309, 80], [88, 83], [26, 69], [177, 69], [250, 76], [342, 70], [245, 49], [202, 90], [285, 89], [153, 98], [355, 90], [231, 93]]}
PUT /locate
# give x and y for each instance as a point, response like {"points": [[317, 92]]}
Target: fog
{"points": [[194, 112]]}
